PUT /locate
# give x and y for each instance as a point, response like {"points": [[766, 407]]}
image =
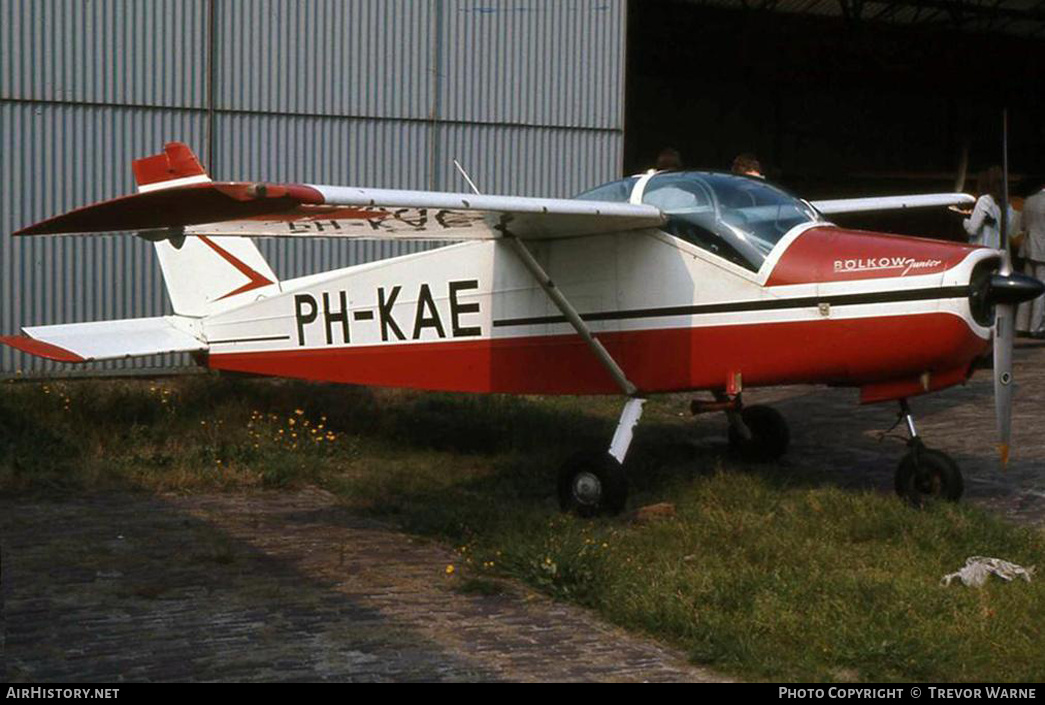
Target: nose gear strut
{"points": [[757, 433], [925, 474]]}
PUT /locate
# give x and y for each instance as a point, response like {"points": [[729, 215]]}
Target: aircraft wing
{"points": [[301, 210], [105, 340], [888, 203]]}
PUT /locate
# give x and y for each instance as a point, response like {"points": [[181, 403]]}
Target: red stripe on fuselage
{"points": [[849, 352]]}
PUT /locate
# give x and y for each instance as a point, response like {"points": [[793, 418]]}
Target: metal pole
{"points": [[1005, 181], [212, 67]]}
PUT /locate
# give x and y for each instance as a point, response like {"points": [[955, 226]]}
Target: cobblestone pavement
{"points": [[275, 586]]}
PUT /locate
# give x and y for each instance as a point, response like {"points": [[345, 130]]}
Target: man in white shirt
{"points": [[984, 223]]}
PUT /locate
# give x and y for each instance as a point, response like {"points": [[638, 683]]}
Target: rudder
{"points": [[203, 275]]}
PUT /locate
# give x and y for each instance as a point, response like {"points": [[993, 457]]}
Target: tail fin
{"points": [[204, 275]]}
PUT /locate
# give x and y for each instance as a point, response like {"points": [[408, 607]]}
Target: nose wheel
{"points": [[924, 474]]}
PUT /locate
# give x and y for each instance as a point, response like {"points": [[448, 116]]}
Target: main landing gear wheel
{"points": [[925, 475], [592, 483], [769, 434]]}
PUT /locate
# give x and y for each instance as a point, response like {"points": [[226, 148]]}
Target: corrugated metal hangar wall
{"points": [[528, 96]]}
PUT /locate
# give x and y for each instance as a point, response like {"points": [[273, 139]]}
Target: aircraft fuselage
{"points": [[888, 314]]}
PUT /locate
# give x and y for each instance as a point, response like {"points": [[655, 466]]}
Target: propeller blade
{"points": [[1003, 337]]}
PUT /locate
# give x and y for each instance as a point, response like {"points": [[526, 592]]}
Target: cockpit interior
{"points": [[738, 218]]}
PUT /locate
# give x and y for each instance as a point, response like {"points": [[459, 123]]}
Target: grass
{"points": [[762, 573]]}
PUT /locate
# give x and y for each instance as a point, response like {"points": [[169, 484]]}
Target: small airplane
{"points": [[671, 281]]}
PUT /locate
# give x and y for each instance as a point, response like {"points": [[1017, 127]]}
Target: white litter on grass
{"points": [[978, 568]]}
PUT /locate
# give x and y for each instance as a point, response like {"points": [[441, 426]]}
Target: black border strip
{"points": [[249, 340], [877, 297]]}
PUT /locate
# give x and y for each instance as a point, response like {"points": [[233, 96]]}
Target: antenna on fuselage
{"points": [[963, 168], [467, 178]]}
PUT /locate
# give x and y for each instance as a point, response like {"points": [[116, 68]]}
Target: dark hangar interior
{"points": [[842, 97]]}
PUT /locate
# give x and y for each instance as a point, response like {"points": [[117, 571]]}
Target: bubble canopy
{"points": [[738, 218]]}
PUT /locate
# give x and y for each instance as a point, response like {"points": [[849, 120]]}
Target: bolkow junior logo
{"points": [[904, 265]]}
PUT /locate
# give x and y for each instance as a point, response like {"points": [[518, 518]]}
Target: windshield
{"points": [[615, 191], [738, 218]]}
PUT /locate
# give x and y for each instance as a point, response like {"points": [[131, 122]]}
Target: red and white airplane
{"points": [[662, 282]]}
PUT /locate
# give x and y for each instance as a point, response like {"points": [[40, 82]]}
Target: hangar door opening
{"points": [[841, 97]]}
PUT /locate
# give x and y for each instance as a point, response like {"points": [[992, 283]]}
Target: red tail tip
{"points": [[175, 162]]}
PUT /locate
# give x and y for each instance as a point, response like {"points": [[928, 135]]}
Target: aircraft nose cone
{"points": [[1013, 288]]}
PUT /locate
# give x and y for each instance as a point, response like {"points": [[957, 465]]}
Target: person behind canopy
{"points": [[984, 223]]}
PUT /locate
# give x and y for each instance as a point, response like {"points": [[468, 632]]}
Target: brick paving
{"points": [[276, 586], [833, 433], [288, 586]]}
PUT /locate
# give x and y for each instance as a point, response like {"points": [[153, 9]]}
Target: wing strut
{"points": [[560, 301], [632, 412]]}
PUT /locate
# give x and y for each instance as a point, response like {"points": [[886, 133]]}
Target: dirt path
{"points": [[275, 586]]}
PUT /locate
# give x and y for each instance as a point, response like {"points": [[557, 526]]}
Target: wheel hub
{"points": [[587, 488], [928, 483]]}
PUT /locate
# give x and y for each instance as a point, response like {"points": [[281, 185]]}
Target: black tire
{"points": [[770, 436], [592, 483], [926, 475]]}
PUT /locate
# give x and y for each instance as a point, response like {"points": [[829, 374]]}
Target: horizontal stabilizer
{"points": [[107, 340], [890, 203]]}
